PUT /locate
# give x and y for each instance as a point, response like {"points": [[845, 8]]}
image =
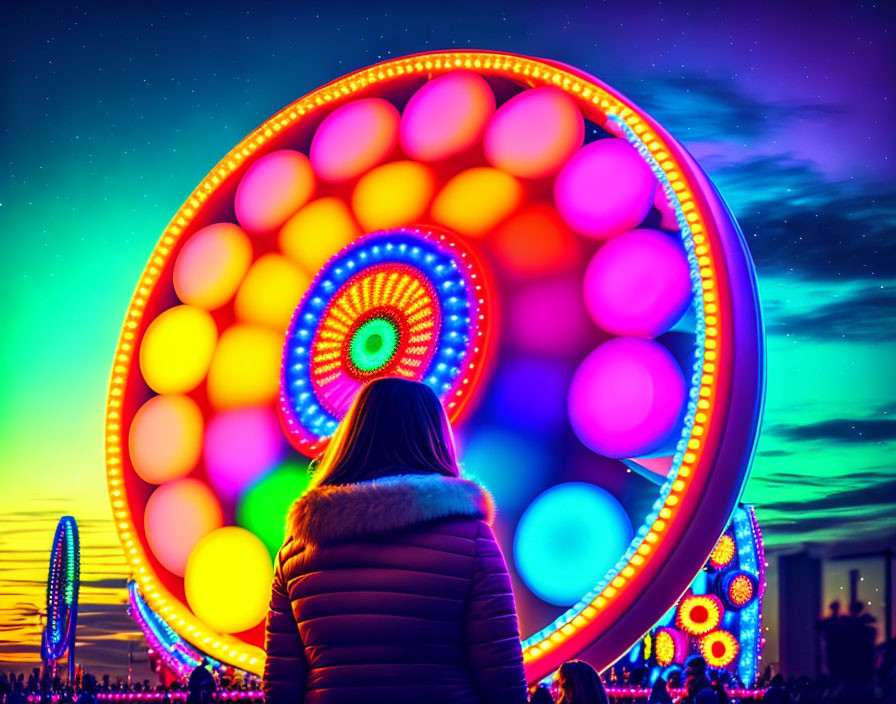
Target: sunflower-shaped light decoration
{"points": [[670, 645], [723, 552], [719, 648], [699, 614]]}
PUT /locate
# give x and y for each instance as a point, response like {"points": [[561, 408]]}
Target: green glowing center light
{"points": [[374, 344]]}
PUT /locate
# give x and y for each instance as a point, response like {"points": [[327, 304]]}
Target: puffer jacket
{"points": [[393, 591]]}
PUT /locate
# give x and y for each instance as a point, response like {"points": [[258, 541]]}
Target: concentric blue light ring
{"points": [[438, 260]]}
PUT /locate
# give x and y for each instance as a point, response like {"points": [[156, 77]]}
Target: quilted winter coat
{"points": [[393, 591]]}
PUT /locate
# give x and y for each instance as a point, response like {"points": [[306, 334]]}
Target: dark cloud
{"points": [[860, 528], [108, 583], [701, 107], [870, 496], [774, 453], [796, 221], [868, 314], [840, 430], [866, 474]]}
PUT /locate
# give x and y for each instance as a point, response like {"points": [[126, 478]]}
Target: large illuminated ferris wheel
{"points": [[513, 232]]}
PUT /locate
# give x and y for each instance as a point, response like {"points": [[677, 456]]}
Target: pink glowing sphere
{"points": [[240, 446], [638, 284], [626, 397], [534, 133], [177, 516], [274, 188], [605, 189], [353, 139], [546, 317], [446, 116]]}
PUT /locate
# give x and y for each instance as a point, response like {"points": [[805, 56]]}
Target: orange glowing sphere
{"points": [[394, 194], [476, 200], [211, 265], [165, 440], [317, 231]]}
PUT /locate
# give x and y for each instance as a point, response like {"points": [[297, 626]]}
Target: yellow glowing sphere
{"points": [[271, 292], [228, 580], [317, 232], [245, 369], [723, 552], [211, 265], [476, 200], [178, 515], [165, 439], [393, 194], [177, 348]]}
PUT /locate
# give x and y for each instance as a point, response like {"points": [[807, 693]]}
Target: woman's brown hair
{"points": [[580, 684], [394, 426]]}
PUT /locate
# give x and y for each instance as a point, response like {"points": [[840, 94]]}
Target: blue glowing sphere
{"points": [[507, 464], [568, 538]]}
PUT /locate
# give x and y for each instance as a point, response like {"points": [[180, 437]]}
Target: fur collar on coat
{"points": [[382, 506]]}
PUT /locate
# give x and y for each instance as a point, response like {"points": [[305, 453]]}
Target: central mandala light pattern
{"points": [[408, 303], [383, 321], [374, 343]]}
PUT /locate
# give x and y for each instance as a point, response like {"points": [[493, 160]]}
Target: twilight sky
{"points": [[112, 114]]}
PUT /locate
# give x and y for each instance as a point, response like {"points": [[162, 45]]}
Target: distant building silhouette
{"points": [[799, 607]]}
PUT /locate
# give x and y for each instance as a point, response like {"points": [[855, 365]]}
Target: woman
{"points": [[579, 683], [390, 586]]}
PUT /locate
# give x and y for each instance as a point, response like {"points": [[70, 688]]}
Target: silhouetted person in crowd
{"points": [[541, 695], [849, 654], [675, 680], [832, 630], [201, 684], [579, 683], [777, 692], [87, 696], [659, 694], [700, 689], [390, 586]]}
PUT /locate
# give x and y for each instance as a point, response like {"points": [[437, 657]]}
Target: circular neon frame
{"points": [[63, 581], [721, 429]]}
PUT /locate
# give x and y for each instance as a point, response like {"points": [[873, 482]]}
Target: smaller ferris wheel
{"points": [[63, 578]]}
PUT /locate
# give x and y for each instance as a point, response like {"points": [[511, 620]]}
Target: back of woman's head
{"points": [[392, 423], [580, 684]]}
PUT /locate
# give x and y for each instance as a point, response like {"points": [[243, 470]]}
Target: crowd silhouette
{"points": [[857, 672], [202, 687]]}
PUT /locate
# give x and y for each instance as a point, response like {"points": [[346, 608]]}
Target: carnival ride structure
{"points": [[514, 233]]}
